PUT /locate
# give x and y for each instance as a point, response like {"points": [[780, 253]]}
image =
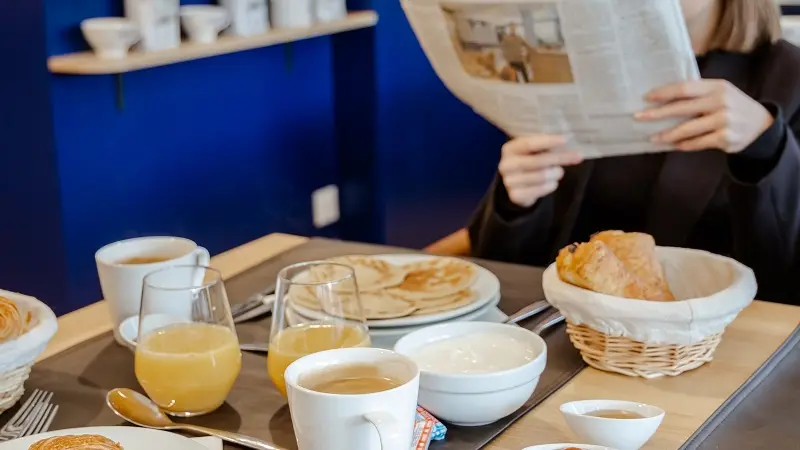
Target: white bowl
{"points": [[110, 37], [202, 23], [129, 328], [623, 434], [564, 446], [475, 399]]}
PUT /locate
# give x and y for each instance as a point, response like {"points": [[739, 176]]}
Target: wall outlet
{"points": [[325, 206]]}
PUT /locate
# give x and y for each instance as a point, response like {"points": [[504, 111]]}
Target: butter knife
{"points": [[550, 321], [528, 311]]}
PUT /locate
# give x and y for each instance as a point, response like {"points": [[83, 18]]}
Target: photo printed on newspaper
{"points": [[579, 68]]}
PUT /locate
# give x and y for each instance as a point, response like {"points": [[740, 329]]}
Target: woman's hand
{"points": [[722, 116], [529, 168]]}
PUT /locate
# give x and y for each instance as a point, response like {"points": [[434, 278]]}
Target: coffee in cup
{"points": [[365, 397], [123, 265], [351, 379]]}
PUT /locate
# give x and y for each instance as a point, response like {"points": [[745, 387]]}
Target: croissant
{"points": [[76, 442], [595, 267], [637, 252], [11, 324]]}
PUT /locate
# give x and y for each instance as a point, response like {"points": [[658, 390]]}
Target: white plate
{"points": [[563, 446], [130, 438], [386, 337], [486, 285]]}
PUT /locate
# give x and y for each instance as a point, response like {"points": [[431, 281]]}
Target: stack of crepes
{"points": [[76, 442], [12, 322], [389, 291], [616, 263]]}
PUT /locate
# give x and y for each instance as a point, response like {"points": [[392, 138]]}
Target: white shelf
{"points": [[86, 63]]}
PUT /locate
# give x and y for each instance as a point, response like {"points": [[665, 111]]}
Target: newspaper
{"points": [[579, 68]]}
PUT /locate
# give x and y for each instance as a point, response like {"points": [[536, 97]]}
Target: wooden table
{"points": [[688, 399]]}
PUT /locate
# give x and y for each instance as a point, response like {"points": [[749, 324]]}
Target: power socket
{"points": [[325, 206]]}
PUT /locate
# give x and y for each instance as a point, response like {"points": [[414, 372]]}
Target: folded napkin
{"points": [[211, 443], [426, 429]]}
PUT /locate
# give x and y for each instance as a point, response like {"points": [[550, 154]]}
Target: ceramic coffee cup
{"points": [[123, 265], [378, 420]]}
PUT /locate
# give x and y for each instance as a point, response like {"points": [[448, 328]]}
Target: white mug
{"points": [[380, 420], [122, 283]]}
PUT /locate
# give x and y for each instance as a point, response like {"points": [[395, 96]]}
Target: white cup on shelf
{"points": [[248, 17], [292, 13], [330, 10], [203, 23], [158, 23], [110, 37]]}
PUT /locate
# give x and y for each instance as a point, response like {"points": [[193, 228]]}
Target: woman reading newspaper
{"points": [[732, 185]]}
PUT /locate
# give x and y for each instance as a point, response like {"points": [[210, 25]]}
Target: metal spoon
{"points": [[140, 410]]}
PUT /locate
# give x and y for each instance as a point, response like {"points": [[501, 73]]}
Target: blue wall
{"points": [[226, 149]]}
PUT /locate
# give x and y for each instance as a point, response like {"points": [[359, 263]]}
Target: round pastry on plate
{"points": [[75, 442]]}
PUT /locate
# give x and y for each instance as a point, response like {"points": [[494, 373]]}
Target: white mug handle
{"points": [[388, 431], [203, 259]]}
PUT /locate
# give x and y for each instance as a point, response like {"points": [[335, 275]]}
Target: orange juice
{"points": [[293, 343], [188, 369]]}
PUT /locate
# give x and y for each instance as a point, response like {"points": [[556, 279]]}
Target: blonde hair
{"points": [[744, 25]]}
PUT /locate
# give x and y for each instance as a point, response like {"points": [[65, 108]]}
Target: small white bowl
{"points": [[129, 328], [475, 399], [110, 37], [623, 434], [565, 446], [203, 23]]}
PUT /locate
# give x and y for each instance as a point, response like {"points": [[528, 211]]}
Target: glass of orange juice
{"points": [[187, 353], [327, 293]]}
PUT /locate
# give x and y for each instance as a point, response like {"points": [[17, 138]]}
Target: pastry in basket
{"points": [[12, 324], [76, 442], [595, 267], [637, 251]]}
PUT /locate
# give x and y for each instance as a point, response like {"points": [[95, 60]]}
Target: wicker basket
{"points": [[12, 386], [18, 356], [636, 359], [653, 339]]}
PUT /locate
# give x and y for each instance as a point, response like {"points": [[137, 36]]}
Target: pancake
{"points": [[447, 303], [372, 274], [374, 305], [76, 442], [304, 296], [435, 278], [380, 306], [11, 323]]}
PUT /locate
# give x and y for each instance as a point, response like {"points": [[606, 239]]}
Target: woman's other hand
{"points": [[721, 116], [531, 170]]}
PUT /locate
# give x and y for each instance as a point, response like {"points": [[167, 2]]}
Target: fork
{"points": [[43, 420], [26, 416]]}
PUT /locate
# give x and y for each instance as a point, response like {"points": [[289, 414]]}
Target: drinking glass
{"points": [[326, 294], [187, 353]]}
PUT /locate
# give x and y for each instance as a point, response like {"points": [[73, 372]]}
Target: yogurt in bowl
{"points": [[474, 373]]}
